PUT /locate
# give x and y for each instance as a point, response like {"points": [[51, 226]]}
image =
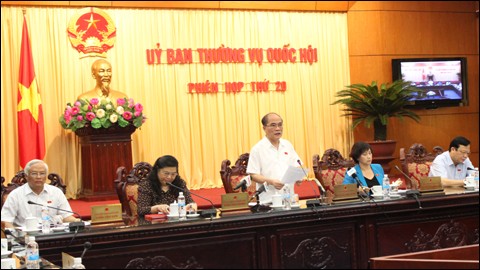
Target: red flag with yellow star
{"points": [[31, 137]]}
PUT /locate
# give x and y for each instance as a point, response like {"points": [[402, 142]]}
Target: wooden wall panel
{"points": [[428, 6], [407, 33], [380, 31]]}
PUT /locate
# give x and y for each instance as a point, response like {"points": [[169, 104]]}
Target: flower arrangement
{"points": [[102, 113]]}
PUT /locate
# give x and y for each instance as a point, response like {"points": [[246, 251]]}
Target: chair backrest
{"points": [[231, 176], [54, 179], [416, 162], [126, 186], [20, 179], [6, 189], [330, 169]]}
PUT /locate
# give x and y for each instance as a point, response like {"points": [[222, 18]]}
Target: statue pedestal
{"points": [[103, 151]]}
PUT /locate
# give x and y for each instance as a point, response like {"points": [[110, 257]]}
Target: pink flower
{"points": [[137, 113], [67, 118], [94, 101], [131, 103], [78, 104], [90, 116], [127, 115], [120, 101], [79, 118], [138, 108], [89, 107], [75, 110]]}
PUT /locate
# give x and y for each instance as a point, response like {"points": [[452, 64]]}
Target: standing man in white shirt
{"points": [[452, 165], [16, 208], [270, 158]]}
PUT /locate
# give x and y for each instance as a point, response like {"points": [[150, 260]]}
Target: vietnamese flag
{"points": [[31, 137]]}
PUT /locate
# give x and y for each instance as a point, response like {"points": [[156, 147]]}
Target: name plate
{"points": [[345, 192], [234, 201], [431, 184], [106, 213], [67, 260]]}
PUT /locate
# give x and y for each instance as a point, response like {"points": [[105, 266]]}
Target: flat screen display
{"points": [[442, 80]]}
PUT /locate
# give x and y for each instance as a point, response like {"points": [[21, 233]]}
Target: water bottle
{"points": [[182, 210], [386, 186], [287, 202], [45, 220], [32, 255], [77, 263], [475, 177]]}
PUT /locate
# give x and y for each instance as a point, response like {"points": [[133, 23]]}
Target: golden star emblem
{"points": [[91, 22], [30, 99]]}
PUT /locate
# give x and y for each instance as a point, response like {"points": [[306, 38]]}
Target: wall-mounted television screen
{"points": [[443, 81]]}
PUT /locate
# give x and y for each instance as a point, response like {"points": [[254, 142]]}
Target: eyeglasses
{"points": [[37, 174], [463, 152], [275, 125], [167, 174]]}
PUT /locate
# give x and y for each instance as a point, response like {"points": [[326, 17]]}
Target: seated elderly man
{"points": [[16, 208]]}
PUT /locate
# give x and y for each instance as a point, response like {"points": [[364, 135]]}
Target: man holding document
{"points": [[270, 159]]}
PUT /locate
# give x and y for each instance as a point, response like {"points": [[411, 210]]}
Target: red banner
{"points": [[31, 137]]}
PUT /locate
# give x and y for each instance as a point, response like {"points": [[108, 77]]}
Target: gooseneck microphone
{"points": [[412, 192], [7, 231], [413, 183], [317, 200], [204, 213], [86, 246], [353, 173], [244, 183], [315, 179], [72, 225]]}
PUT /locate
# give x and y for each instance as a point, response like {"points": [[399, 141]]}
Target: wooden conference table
{"points": [[336, 236]]}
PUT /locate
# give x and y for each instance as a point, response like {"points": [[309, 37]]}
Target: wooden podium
{"points": [[103, 151]]}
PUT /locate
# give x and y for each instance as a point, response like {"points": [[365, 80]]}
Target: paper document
{"points": [[293, 174]]}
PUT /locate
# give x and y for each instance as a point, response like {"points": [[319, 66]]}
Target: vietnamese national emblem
{"points": [[91, 32]]}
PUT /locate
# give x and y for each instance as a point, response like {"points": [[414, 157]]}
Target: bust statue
{"points": [[102, 73]]}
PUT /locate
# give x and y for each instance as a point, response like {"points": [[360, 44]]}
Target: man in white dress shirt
{"points": [[270, 158], [16, 208], [452, 165]]}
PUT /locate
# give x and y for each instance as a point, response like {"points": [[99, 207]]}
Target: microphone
{"points": [[315, 179], [259, 191], [412, 192], [353, 173], [317, 201], [7, 231], [71, 225], [86, 246], [204, 213], [244, 183]]}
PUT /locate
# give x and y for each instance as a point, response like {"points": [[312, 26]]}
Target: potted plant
{"points": [[372, 104]]}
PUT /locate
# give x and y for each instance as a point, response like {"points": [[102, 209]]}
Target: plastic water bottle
{"points": [[287, 202], [386, 186], [32, 254], [476, 177], [182, 210], [77, 263], [46, 220]]}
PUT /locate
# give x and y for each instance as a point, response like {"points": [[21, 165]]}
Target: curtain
{"points": [[200, 130]]}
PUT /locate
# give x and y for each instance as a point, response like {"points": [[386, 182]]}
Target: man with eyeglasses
{"points": [[452, 165], [270, 158], [16, 208]]}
